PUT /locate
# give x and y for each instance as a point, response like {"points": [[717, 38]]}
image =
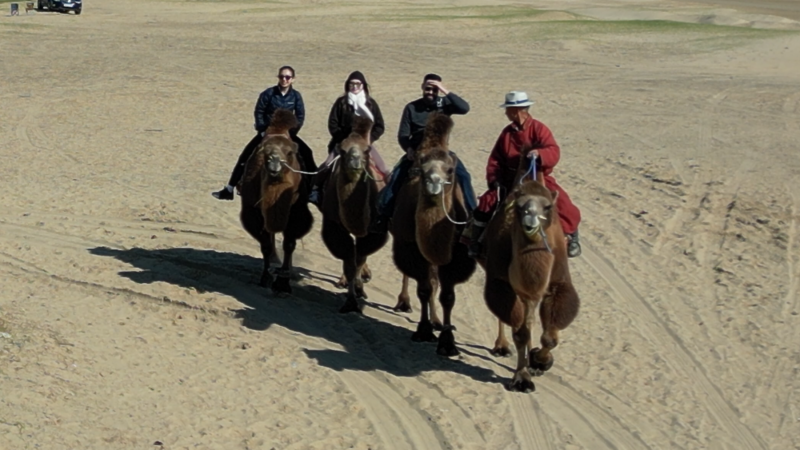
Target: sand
{"points": [[129, 311]]}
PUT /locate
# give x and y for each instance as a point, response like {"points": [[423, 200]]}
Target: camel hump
{"points": [[283, 120], [437, 130], [362, 126]]}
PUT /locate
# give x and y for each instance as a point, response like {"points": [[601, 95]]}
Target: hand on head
{"points": [[438, 86]]}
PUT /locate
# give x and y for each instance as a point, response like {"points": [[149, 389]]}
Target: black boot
{"points": [[223, 194], [473, 237]]}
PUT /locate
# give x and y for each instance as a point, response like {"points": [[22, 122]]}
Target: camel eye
{"points": [[548, 208], [450, 171]]}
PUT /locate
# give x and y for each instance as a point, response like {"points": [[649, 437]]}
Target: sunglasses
{"points": [[285, 77]]}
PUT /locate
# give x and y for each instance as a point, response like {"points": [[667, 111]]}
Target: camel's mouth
{"points": [[274, 166], [531, 225], [434, 184], [354, 163]]}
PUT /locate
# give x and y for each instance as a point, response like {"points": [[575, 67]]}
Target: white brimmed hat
{"points": [[516, 99]]}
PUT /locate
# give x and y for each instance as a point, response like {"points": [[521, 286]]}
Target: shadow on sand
{"points": [[369, 344]]}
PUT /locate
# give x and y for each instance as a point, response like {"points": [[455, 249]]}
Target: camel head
{"points": [[438, 169], [533, 209], [278, 148], [354, 151], [435, 162]]}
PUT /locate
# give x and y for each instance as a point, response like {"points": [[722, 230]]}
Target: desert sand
{"points": [[130, 316]]}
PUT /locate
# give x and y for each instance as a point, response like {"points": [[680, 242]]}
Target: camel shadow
{"points": [[367, 343]]}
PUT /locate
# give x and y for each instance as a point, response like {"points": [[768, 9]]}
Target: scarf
{"points": [[359, 104]]}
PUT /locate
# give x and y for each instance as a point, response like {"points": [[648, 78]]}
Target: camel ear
{"points": [[554, 193]]}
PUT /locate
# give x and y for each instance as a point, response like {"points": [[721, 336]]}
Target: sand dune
{"points": [[130, 317]]}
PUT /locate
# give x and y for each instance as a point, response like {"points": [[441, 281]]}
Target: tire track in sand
{"points": [[651, 326], [398, 425]]}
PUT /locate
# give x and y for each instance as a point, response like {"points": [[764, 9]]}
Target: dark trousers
{"points": [[386, 201], [306, 157]]}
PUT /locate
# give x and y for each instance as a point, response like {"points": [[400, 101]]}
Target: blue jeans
{"points": [[387, 197]]}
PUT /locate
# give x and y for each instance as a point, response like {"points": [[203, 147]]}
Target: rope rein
{"points": [[531, 171], [285, 164], [454, 222]]}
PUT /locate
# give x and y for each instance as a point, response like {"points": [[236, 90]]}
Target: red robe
{"points": [[504, 160]]}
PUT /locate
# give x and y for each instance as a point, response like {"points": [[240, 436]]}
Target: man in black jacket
{"points": [[409, 136], [279, 96]]}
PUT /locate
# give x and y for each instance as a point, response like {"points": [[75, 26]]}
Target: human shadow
{"points": [[367, 343]]}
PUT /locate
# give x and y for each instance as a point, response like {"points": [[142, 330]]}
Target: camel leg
{"points": [[521, 381], [351, 268], [361, 262], [435, 320], [267, 250], [273, 259], [281, 283], [501, 345], [556, 313], [424, 331], [447, 341], [342, 283], [403, 300], [366, 274]]}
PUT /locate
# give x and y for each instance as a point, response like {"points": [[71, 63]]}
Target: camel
{"points": [[525, 258], [275, 198], [425, 245], [349, 202]]}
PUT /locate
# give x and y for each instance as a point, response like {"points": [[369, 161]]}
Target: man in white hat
{"points": [[524, 132]]}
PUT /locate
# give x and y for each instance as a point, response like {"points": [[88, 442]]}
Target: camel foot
{"points": [[538, 368], [424, 333], [342, 283], [447, 343], [281, 284], [366, 275], [501, 350], [350, 305], [521, 382], [360, 291], [403, 306]]}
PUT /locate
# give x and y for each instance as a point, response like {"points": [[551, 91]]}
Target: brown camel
{"points": [[425, 245], [349, 202], [275, 198], [525, 257]]}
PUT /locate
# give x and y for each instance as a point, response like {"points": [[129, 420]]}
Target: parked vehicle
{"points": [[63, 6]]}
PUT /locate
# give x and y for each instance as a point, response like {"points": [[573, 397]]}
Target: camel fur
{"points": [[425, 245], [525, 258], [349, 203], [275, 198]]}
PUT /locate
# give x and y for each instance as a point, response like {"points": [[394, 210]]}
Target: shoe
{"points": [[573, 245], [313, 197], [380, 225], [223, 194]]}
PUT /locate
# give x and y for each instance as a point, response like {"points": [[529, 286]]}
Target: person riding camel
{"points": [[355, 102], [409, 136], [279, 96], [524, 132]]}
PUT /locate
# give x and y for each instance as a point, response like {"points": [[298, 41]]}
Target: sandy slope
{"points": [[128, 309]]}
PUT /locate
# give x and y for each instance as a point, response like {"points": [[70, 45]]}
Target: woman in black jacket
{"points": [[356, 101]]}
